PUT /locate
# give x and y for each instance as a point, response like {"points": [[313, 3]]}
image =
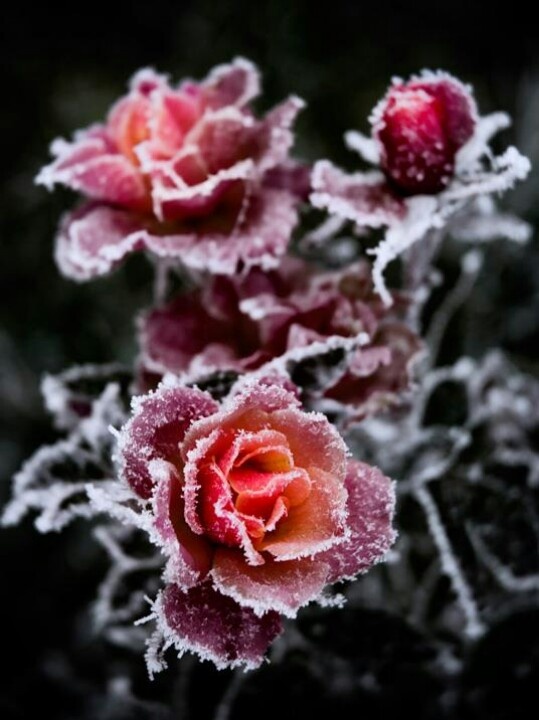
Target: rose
{"points": [[185, 172], [431, 156], [256, 508], [420, 126], [239, 324]]}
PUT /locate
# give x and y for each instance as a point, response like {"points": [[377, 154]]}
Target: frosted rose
{"points": [[240, 324], [432, 162], [420, 126], [257, 509], [185, 172]]}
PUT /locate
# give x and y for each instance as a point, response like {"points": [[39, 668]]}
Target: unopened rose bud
{"points": [[421, 125]]}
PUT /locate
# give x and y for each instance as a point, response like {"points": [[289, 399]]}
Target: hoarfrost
{"points": [[54, 481]]}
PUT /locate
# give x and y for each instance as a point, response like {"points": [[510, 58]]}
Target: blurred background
{"points": [[61, 71]]}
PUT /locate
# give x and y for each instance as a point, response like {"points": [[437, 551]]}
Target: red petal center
{"points": [[249, 485]]}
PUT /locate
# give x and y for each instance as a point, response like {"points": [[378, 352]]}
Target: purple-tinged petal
{"points": [[294, 177], [236, 83], [189, 555], [172, 335], [94, 238], [260, 238], [371, 505], [277, 129], [281, 586], [364, 198], [215, 627], [159, 423]]}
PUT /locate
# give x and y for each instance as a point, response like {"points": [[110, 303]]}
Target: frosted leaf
{"points": [[366, 147], [461, 485], [69, 395], [133, 574], [485, 129], [54, 481], [506, 170], [363, 198]]}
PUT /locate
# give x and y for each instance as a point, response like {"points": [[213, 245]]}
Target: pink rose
{"points": [[240, 324], [185, 172], [256, 507]]}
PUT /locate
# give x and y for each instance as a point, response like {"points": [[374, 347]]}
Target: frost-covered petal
{"points": [[364, 198], [314, 442], [157, 427], [170, 336], [236, 83], [318, 523], [260, 237], [280, 586], [93, 239], [91, 167], [294, 177], [215, 627], [189, 555], [276, 131], [371, 505]]}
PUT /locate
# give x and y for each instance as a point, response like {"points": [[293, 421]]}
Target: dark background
{"points": [[60, 71]]}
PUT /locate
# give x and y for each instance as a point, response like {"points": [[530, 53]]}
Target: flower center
{"points": [[249, 486]]}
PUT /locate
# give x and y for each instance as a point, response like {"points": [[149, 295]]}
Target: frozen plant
{"points": [[434, 168], [216, 467]]}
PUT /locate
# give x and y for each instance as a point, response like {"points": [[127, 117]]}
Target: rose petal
{"points": [[189, 555], [236, 83], [314, 525], [215, 627], [371, 505], [158, 425], [279, 138], [170, 336], [291, 176], [90, 166], [224, 137], [260, 238], [364, 198], [93, 239], [280, 586], [314, 442]]}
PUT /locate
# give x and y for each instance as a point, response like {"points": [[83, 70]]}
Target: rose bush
{"points": [[185, 172], [256, 507]]}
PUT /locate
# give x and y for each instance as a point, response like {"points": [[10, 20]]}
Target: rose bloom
{"points": [[256, 507], [186, 172], [242, 323]]}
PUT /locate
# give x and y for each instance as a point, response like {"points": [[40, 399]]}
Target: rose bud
{"points": [[421, 125]]}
